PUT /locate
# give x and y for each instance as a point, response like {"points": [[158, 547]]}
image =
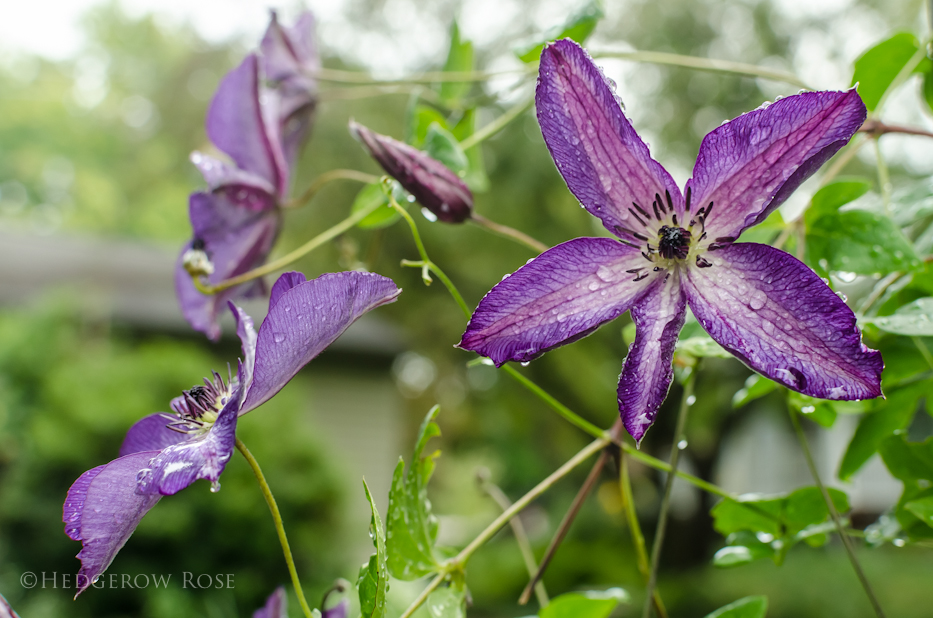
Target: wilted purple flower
{"points": [[432, 183], [763, 305], [276, 606], [164, 453], [259, 117]]}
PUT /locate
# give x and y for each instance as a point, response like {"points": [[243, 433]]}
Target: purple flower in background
{"points": [[673, 250], [164, 453], [276, 606], [5, 610], [259, 117], [432, 183]]}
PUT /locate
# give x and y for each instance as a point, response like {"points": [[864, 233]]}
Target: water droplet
{"points": [[757, 300], [593, 286], [808, 409], [215, 487], [691, 400], [682, 444], [278, 337], [427, 214], [899, 542], [605, 273], [287, 309], [525, 363], [846, 277], [411, 199]]}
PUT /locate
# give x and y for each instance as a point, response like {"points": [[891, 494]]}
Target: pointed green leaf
{"points": [[828, 199], [578, 27], [440, 144], [922, 509], [861, 242], [756, 386], [913, 319], [749, 607], [420, 120], [460, 60], [449, 602], [876, 69], [701, 346], [373, 582], [908, 461], [475, 178], [888, 416], [755, 512], [806, 507], [590, 604], [370, 195], [411, 526]]}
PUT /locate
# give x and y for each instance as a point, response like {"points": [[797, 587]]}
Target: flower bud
{"points": [[435, 186]]}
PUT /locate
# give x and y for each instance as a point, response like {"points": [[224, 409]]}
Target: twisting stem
{"points": [[277, 519], [685, 403], [508, 232], [496, 125], [521, 537], [846, 541], [875, 127], [287, 259], [564, 526], [877, 291], [325, 178], [426, 262], [638, 539], [460, 559]]}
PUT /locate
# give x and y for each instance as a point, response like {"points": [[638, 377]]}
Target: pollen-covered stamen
{"points": [[673, 242], [198, 407]]}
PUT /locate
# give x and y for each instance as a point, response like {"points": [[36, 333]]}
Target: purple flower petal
{"points": [[306, 319], [236, 124], [276, 605], [604, 162], [102, 510], [560, 296], [777, 316], [340, 610], [151, 433], [5, 610], [750, 165], [237, 240], [432, 183], [242, 188], [284, 283], [647, 372], [201, 457]]}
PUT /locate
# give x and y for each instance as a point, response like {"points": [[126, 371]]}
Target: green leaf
{"points": [[817, 410], [577, 27], [908, 461], [876, 69], [421, 119], [702, 346], [765, 232], [743, 547], [889, 415], [861, 242], [928, 88], [750, 512], [440, 144], [922, 509], [460, 60], [449, 602], [749, 607], [839, 193], [806, 507], [373, 582], [913, 319], [411, 527], [475, 177], [373, 194], [756, 386], [590, 604]]}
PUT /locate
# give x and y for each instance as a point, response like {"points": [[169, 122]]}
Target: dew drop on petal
{"points": [[605, 273], [593, 286], [757, 300], [278, 337], [215, 487], [525, 363]]}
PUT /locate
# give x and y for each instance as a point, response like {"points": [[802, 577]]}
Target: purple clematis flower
{"points": [[432, 183], [259, 117], [673, 250], [164, 453]]}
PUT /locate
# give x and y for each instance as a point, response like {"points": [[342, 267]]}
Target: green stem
{"points": [[277, 519], [706, 64], [326, 178], [846, 541], [433, 77], [457, 562], [565, 412], [924, 351], [508, 232], [877, 291], [426, 262], [287, 259], [638, 539], [496, 125], [685, 403], [884, 178]]}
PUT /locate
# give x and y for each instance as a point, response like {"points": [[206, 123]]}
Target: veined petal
{"points": [[201, 457], [247, 334], [151, 433], [289, 52], [276, 605], [783, 321], [560, 296], [236, 125], [102, 510], [5, 610], [340, 610], [604, 162], [306, 319], [750, 165], [236, 240], [241, 188], [647, 372]]}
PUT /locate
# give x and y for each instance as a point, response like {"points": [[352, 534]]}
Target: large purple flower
{"points": [[259, 116], [164, 453], [675, 250]]}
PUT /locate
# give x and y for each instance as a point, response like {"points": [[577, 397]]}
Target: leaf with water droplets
{"points": [[858, 241], [748, 607], [914, 319], [589, 604], [373, 582], [410, 525]]}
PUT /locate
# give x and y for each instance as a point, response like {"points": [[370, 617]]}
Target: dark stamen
{"points": [[670, 202], [635, 270], [197, 244], [657, 214], [725, 239], [624, 230], [657, 198], [641, 210], [702, 263], [641, 277], [675, 219], [637, 218], [687, 207]]}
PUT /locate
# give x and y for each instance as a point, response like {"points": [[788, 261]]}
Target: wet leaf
{"points": [[756, 386], [373, 582], [440, 144], [373, 194], [859, 241], [590, 604], [828, 199], [913, 319], [748, 607], [922, 509]]}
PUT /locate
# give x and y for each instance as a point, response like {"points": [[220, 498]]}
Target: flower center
{"points": [[197, 408], [675, 242]]}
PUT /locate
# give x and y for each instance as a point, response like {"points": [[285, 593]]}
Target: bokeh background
{"points": [[100, 105]]}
